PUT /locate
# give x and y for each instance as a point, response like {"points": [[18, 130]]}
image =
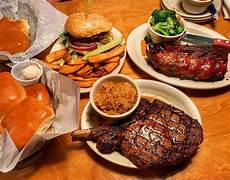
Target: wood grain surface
{"points": [[66, 160]]}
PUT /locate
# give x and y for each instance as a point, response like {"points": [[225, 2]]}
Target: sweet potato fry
{"points": [[53, 66], [76, 78], [107, 55], [83, 82], [77, 62], [86, 84], [113, 60], [67, 69], [67, 57], [98, 65], [56, 55], [84, 70], [96, 74], [110, 67]]}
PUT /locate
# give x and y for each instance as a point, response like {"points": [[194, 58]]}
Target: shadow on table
{"points": [[49, 157], [205, 93]]}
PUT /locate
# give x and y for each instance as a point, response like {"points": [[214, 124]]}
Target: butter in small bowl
{"points": [[27, 72]]}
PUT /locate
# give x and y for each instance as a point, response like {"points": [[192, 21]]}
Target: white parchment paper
{"points": [[66, 98], [46, 23]]}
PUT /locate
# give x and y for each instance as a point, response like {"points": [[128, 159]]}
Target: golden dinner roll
{"points": [[28, 117], [1, 128], [24, 26], [14, 35], [81, 25], [11, 92], [38, 91]]}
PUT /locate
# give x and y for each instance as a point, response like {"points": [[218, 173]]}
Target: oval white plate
{"points": [[176, 6], [160, 90], [116, 34], [134, 51]]}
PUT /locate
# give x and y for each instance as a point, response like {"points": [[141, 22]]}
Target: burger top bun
{"points": [[81, 25]]}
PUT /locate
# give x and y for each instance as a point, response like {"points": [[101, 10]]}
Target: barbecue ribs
{"points": [[199, 63], [157, 135]]}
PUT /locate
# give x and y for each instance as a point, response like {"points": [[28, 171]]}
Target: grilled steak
{"points": [[199, 63], [158, 135]]}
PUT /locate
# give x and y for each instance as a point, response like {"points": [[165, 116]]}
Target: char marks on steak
{"points": [[157, 135], [199, 63]]}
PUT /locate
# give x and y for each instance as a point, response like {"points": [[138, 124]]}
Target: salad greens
{"points": [[165, 22]]}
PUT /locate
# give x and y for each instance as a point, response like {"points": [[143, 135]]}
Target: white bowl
{"points": [[16, 72], [114, 77], [159, 38], [195, 6]]}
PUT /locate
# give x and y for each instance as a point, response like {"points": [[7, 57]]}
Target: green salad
{"points": [[165, 22]]}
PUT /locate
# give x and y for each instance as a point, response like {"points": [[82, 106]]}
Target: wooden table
{"points": [[66, 160]]}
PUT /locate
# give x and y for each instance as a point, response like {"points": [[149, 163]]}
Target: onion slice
{"points": [[83, 46]]}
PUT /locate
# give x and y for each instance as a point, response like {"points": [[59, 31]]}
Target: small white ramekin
{"points": [[117, 78], [17, 69], [195, 6]]}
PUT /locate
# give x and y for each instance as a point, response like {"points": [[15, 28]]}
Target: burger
{"points": [[86, 33]]}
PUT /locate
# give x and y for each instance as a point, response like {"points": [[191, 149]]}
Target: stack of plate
{"points": [[176, 6]]}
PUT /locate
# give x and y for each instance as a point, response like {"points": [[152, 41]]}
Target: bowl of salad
{"points": [[165, 26]]}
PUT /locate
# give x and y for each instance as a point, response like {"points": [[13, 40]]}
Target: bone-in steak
{"points": [[157, 135]]}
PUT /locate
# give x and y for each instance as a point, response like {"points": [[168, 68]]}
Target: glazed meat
{"points": [[157, 135], [199, 63]]}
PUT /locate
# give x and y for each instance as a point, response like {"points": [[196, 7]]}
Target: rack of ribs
{"points": [[199, 63]]}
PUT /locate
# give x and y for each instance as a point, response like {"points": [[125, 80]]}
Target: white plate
{"points": [[160, 90], [116, 34], [134, 51], [195, 19], [176, 6]]}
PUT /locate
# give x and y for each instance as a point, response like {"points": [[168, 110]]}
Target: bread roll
{"points": [[25, 119], [11, 92], [38, 91], [81, 25], [24, 26], [1, 128], [14, 36]]}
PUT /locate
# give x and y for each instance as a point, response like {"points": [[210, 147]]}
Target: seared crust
{"points": [[81, 25], [166, 137]]}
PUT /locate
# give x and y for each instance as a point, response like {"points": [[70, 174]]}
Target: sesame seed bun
{"points": [[81, 25]]}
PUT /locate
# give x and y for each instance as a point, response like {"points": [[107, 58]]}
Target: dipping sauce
{"points": [[115, 98], [13, 37]]}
